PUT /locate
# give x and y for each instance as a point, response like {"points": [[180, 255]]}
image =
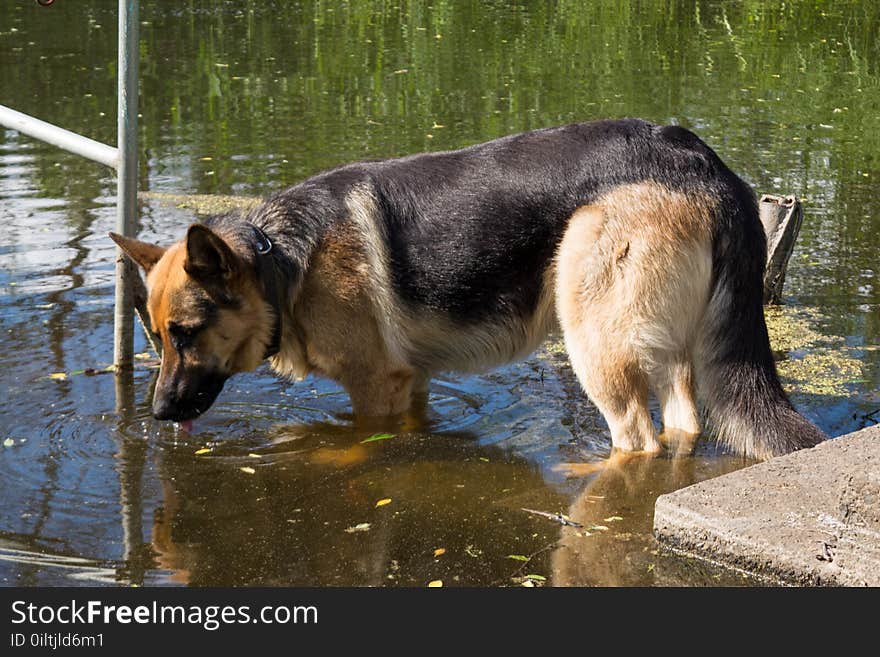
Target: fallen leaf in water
{"points": [[362, 527], [439, 551], [599, 528], [144, 355], [517, 557], [253, 455], [247, 470], [378, 436], [528, 583], [58, 376], [537, 578], [9, 442], [203, 450], [613, 518], [435, 584], [384, 501]]}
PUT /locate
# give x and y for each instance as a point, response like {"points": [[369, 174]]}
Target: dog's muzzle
{"points": [[188, 397]]}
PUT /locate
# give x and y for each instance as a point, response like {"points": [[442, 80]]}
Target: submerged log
{"points": [[782, 217]]}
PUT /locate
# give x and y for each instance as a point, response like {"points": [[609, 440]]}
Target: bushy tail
{"points": [[740, 386]]}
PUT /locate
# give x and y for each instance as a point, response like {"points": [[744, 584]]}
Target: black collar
{"points": [[269, 276]]}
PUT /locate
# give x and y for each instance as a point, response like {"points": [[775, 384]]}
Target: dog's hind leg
{"points": [[672, 381], [618, 386], [633, 279], [597, 325]]}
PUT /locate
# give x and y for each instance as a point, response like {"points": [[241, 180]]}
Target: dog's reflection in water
{"points": [[207, 503], [613, 546], [306, 512], [287, 522]]}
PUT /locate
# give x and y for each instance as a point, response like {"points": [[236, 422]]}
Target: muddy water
{"points": [[275, 486]]}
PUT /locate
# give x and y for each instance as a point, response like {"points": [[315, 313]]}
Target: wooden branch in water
{"points": [[782, 217]]}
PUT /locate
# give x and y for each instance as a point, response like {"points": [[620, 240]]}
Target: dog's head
{"points": [[207, 304]]}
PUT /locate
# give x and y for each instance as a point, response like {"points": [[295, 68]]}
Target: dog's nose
{"points": [[165, 409]]}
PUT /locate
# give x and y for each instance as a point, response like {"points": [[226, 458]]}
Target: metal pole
{"points": [[126, 187], [52, 134], [132, 457]]}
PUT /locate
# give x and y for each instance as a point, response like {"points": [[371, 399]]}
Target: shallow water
{"points": [[247, 97]]}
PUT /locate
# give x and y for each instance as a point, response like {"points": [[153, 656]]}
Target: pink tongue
{"points": [[187, 425]]}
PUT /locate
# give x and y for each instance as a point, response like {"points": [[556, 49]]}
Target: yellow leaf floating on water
{"points": [[253, 455], [9, 442], [439, 551], [58, 376], [435, 584], [384, 501], [599, 528], [361, 527], [613, 518], [144, 355], [247, 470], [528, 584], [203, 450]]}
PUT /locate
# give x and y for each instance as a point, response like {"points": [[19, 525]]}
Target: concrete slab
{"points": [[808, 518]]}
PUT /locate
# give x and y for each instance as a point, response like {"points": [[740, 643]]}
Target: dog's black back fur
{"points": [[470, 231]]}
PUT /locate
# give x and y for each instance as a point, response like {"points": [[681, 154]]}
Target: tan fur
{"points": [[342, 326], [235, 343], [633, 276], [440, 344], [388, 312]]}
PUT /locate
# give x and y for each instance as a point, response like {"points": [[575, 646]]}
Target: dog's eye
{"points": [[182, 336]]}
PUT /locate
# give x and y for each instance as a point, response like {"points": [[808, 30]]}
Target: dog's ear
{"points": [[209, 260], [146, 255]]}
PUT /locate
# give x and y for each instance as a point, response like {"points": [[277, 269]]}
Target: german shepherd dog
{"points": [[635, 239]]}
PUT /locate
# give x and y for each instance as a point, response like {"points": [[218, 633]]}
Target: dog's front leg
{"points": [[381, 393]]}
